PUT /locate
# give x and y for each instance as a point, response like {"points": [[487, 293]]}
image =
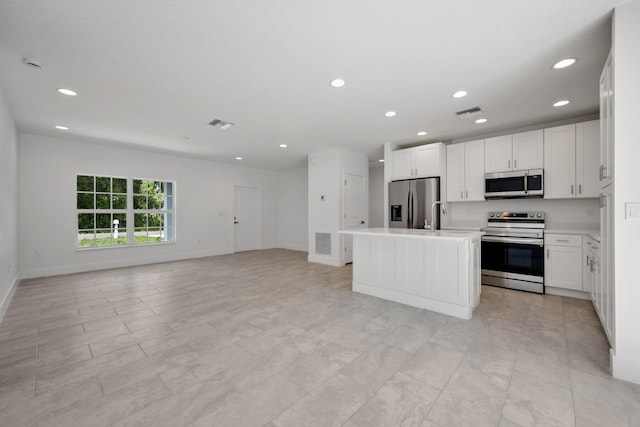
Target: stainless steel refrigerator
{"points": [[411, 201]]}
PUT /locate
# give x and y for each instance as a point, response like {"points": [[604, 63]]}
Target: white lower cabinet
{"points": [[563, 261]]}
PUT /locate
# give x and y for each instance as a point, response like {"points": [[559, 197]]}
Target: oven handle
{"points": [[522, 241]]}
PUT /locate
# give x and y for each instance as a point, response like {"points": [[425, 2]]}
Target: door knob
{"points": [[361, 222]]}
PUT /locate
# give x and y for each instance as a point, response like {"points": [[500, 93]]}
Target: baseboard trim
{"points": [[319, 259], [566, 293], [625, 368], [6, 300], [294, 247], [82, 268]]}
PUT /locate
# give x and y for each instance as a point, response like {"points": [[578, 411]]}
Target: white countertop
{"points": [[415, 233]]}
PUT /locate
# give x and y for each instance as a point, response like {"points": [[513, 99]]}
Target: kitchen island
{"points": [[435, 270]]}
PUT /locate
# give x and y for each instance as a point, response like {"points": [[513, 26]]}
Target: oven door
{"points": [[506, 261]]}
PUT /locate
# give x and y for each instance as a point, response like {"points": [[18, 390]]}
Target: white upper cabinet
{"points": [[498, 153], [571, 161], [465, 171], [402, 164], [560, 162], [418, 162], [587, 158], [514, 152], [528, 148]]}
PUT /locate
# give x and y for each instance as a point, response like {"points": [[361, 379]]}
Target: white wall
{"points": [[376, 197], [204, 204], [326, 171], [9, 268], [626, 35], [293, 212]]}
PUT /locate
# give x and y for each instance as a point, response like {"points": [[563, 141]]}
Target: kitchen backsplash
{"points": [[566, 213]]}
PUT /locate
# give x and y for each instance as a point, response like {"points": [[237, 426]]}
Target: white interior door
{"points": [[247, 218], [354, 210]]}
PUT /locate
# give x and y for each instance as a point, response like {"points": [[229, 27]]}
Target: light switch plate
{"points": [[633, 211]]}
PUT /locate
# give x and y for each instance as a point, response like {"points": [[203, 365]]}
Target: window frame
{"points": [[169, 227]]}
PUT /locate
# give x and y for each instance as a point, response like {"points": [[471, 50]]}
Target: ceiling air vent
{"points": [[469, 112], [221, 123]]}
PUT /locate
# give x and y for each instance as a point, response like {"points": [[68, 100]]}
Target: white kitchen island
{"points": [[437, 271]]}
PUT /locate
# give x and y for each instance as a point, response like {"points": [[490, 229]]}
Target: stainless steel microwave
{"points": [[514, 184]]}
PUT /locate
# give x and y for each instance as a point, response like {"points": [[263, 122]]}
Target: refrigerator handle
{"points": [[409, 209]]}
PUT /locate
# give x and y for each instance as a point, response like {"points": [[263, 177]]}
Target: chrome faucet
{"points": [[433, 212]]}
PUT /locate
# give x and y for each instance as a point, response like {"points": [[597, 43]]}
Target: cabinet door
{"points": [[587, 263], [528, 148], [427, 160], [606, 123], [498, 154], [455, 172], [560, 162], [588, 158], [606, 285], [402, 164], [562, 267], [474, 170]]}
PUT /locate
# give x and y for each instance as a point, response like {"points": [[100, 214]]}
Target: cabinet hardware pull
{"points": [[508, 164], [461, 194], [579, 188], [571, 188], [547, 253], [467, 193], [587, 260], [515, 163], [562, 240]]}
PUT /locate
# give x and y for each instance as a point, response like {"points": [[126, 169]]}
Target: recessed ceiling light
{"points": [[564, 63], [337, 83], [480, 121], [238, 158], [283, 145], [390, 113], [422, 133], [62, 127], [460, 94], [561, 103], [68, 92], [381, 160]]}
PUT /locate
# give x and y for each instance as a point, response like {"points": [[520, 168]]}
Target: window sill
{"points": [[94, 248]]}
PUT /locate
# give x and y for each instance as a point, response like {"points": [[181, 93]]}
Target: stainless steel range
{"points": [[513, 251]]}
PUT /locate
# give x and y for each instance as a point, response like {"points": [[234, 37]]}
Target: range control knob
{"points": [[530, 215], [490, 215], [539, 215]]}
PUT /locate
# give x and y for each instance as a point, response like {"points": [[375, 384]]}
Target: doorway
{"points": [[354, 210], [246, 220]]}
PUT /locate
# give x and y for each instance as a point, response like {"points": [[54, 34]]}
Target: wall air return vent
{"points": [[221, 123], [469, 112]]}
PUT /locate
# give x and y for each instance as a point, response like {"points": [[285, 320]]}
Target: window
{"points": [[101, 202], [153, 211], [105, 205]]}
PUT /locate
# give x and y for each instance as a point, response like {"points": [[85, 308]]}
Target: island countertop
{"points": [[415, 233]]}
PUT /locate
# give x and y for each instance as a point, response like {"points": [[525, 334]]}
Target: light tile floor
{"points": [[265, 338]]}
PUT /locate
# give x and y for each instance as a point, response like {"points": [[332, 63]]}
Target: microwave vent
{"points": [[469, 112]]}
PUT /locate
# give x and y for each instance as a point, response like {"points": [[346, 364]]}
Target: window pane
{"points": [[119, 201], [86, 222], [85, 240], [156, 201], [122, 218], [168, 202], [155, 220], [85, 201], [103, 221], [137, 186], [168, 188], [103, 201], [103, 184], [119, 185], [140, 220], [139, 202], [84, 183]]}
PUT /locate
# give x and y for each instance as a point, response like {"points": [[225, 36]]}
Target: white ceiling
{"points": [[151, 72]]}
